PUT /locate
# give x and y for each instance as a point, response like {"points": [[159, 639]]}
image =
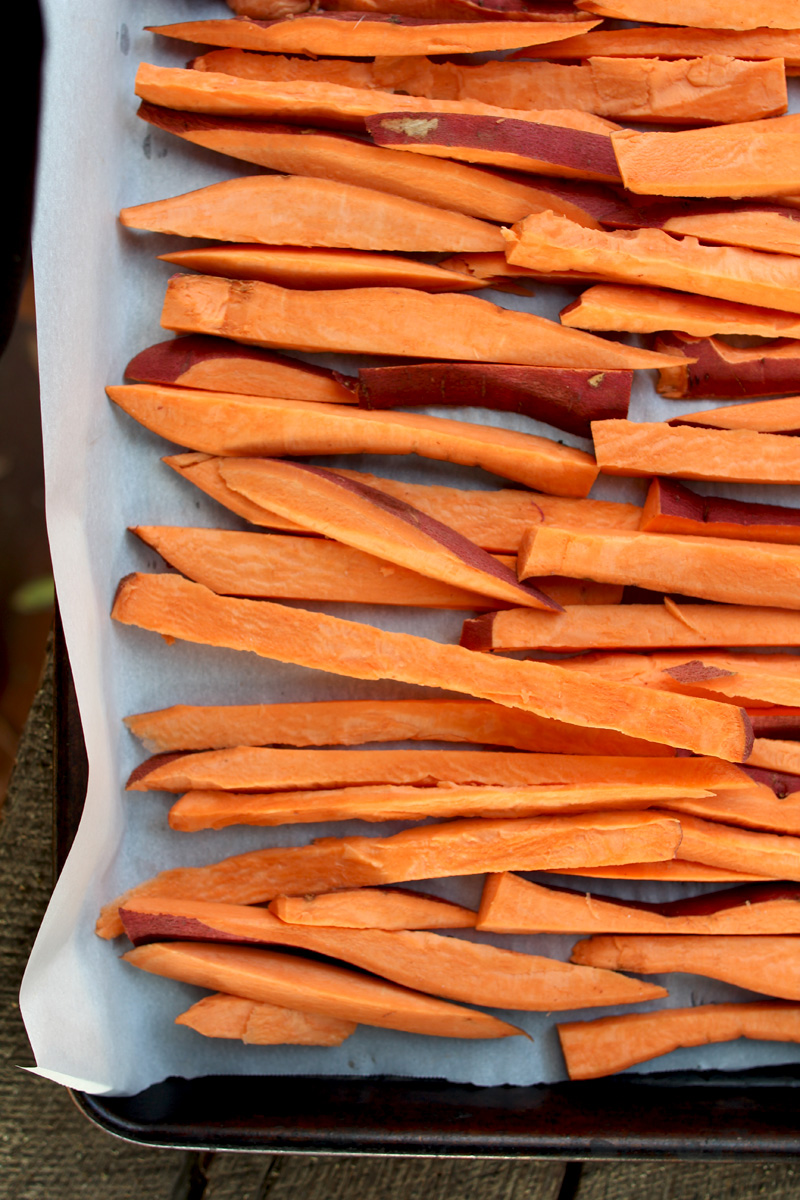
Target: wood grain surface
{"points": [[49, 1150]]}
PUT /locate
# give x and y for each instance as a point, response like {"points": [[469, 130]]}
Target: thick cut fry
{"points": [[754, 158], [373, 908], [370, 34], [510, 904], [614, 307], [595, 1048], [510, 141], [396, 321], [672, 508], [368, 520], [702, 14], [346, 159], [549, 242], [731, 572], [568, 399], [243, 426], [733, 456], [770, 965], [210, 363], [775, 755], [173, 606], [472, 972], [289, 568], [776, 856], [296, 211], [354, 722], [249, 769], [720, 371], [256, 1024], [311, 268], [653, 41], [320, 988], [691, 91], [764, 416], [427, 852], [495, 520], [633, 626], [198, 810]]}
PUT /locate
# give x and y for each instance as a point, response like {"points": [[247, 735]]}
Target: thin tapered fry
{"points": [[220, 1015], [373, 908], [616, 306]]}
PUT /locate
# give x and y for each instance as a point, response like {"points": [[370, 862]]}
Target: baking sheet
{"points": [[94, 1022]]}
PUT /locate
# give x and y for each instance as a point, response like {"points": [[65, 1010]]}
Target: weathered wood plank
{"points": [[688, 1181]]}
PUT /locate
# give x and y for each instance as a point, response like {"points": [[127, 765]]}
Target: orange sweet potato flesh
{"points": [[633, 626], [510, 904], [653, 41], [350, 35], [197, 810], [690, 91], [288, 568], [354, 722], [764, 416], [368, 520], [670, 871], [549, 242], [767, 854], [224, 1016], [170, 605], [775, 755], [672, 508], [495, 520], [595, 1048], [373, 908], [728, 571], [293, 210], [243, 426], [725, 372], [215, 365], [613, 307], [472, 972], [312, 268], [704, 14], [467, 847], [754, 158], [397, 321], [733, 456], [346, 159], [330, 104], [262, 769], [767, 964], [313, 987], [459, 10]]}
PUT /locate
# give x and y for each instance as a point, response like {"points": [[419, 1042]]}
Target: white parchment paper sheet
{"points": [[94, 1022]]}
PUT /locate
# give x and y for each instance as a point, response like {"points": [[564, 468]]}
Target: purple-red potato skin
{"points": [[671, 507], [521, 145], [778, 722], [723, 372], [569, 399], [782, 783], [180, 360]]}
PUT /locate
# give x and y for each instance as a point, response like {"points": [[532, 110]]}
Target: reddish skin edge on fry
{"points": [[596, 1048], [510, 904], [551, 149], [723, 372], [783, 783], [471, 555], [776, 722], [568, 399], [321, 988], [198, 361], [429, 963], [763, 416], [671, 507]]}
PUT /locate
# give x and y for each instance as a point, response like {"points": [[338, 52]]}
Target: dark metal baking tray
{"points": [[705, 1115]]}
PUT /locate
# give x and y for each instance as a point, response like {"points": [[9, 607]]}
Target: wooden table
{"points": [[48, 1149]]}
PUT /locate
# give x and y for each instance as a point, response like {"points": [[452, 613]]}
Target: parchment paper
{"points": [[94, 1022]]}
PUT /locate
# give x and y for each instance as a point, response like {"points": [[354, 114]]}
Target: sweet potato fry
{"points": [[672, 508], [173, 606], [702, 14], [615, 306], [373, 908], [471, 972], [654, 41], [220, 1015], [720, 371], [764, 416], [427, 852]]}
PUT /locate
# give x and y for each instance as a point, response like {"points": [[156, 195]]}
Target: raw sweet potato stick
{"points": [[614, 306], [373, 908], [672, 508], [220, 1015], [653, 41]]}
